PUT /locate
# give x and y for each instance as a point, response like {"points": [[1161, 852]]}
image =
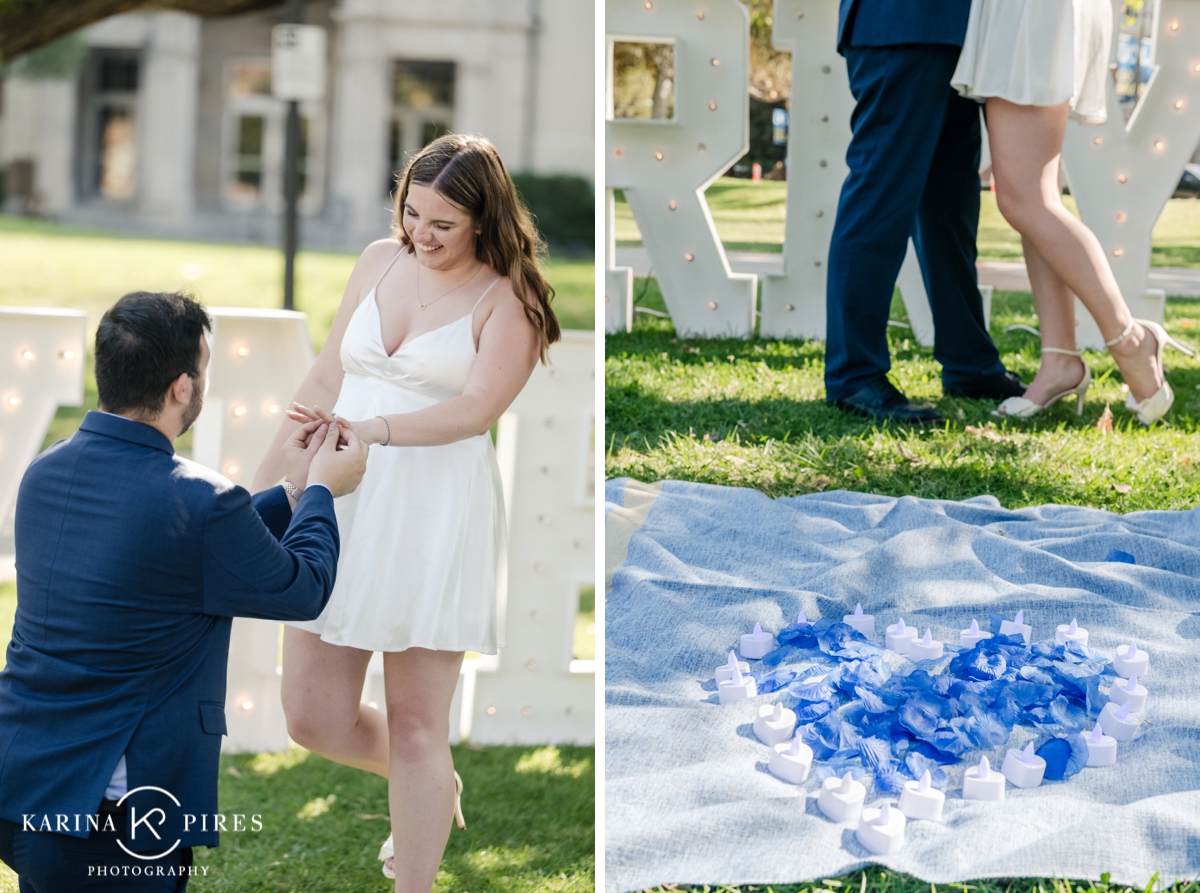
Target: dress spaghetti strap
{"points": [[484, 295], [385, 271]]}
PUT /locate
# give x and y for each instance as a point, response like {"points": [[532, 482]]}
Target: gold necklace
{"points": [[439, 297]]}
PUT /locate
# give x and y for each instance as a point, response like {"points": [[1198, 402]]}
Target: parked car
{"points": [[1189, 183]]}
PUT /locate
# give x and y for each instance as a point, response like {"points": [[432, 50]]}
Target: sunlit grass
{"points": [[750, 217]]}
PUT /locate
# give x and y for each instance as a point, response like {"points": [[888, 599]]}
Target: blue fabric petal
{"points": [[1057, 753], [1118, 555], [918, 764]]}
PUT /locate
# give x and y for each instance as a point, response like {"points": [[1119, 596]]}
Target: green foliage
{"points": [[60, 60], [752, 413], [564, 207]]}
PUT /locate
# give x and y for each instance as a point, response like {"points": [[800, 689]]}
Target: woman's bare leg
{"points": [[322, 686], [1026, 143], [420, 686], [1056, 319]]}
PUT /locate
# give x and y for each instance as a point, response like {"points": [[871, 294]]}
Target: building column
{"points": [[39, 121], [168, 88], [361, 111]]}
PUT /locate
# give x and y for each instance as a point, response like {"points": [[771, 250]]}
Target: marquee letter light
{"points": [[259, 358], [793, 303], [618, 281], [545, 447], [41, 368], [1122, 174], [664, 166]]}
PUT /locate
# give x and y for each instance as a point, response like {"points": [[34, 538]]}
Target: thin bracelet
{"points": [[389, 430]]}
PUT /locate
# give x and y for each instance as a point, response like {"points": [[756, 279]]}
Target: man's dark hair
{"points": [[145, 341]]}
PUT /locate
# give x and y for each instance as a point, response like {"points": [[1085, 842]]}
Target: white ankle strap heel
{"points": [[1159, 403], [1020, 408], [387, 851]]}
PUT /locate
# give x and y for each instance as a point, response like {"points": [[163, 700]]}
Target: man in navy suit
{"points": [[131, 564], [914, 162]]}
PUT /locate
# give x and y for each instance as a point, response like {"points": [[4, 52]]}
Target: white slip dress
{"points": [[1038, 52], [423, 560]]}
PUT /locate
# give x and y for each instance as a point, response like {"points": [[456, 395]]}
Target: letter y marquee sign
{"points": [[665, 164]]}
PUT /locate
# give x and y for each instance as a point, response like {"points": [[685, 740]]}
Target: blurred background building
{"points": [[164, 122]]}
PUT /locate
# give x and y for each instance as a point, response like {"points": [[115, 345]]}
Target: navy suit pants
{"points": [[914, 171], [55, 863]]}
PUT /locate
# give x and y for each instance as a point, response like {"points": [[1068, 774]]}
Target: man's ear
{"points": [[181, 388]]}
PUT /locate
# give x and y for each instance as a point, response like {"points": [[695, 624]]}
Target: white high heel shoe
{"points": [[1158, 404], [1020, 408], [387, 851]]}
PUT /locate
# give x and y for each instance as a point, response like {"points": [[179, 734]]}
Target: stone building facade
{"points": [[170, 126]]}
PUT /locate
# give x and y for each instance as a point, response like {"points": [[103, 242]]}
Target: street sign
{"points": [[298, 62]]}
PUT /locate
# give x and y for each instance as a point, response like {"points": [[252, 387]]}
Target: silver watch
{"points": [[292, 490]]}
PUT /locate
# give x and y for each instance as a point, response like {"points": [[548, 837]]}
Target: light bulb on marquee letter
{"points": [[711, 113]]}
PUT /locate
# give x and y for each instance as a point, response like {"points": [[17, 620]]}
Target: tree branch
{"points": [[28, 24]]}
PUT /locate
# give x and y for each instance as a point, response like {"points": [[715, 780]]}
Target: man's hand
{"points": [[298, 453], [339, 470]]}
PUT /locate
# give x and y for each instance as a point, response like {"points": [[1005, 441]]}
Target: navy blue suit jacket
{"points": [[131, 564], [885, 23]]}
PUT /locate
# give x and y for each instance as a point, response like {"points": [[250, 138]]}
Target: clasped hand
{"points": [[322, 453], [368, 431]]}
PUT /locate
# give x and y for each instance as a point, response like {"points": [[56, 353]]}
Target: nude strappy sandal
{"points": [[1020, 408], [387, 851], [1158, 404]]}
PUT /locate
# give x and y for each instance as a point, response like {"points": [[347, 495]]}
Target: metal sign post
{"points": [[297, 74]]}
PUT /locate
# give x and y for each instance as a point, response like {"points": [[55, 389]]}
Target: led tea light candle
{"points": [[981, 783], [756, 644], [968, 638], [1017, 627], [864, 623], [802, 619], [1023, 768], [921, 800], [1131, 661], [1128, 692], [841, 799], [736, 688], [774, 724], [791, 761], [925, 649], [1070, 632], [1102, 750], [899, 637], [881, 830], [1117, 722], [725, 673]]}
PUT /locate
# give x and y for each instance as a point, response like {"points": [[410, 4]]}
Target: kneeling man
{"points": [[131, 564]]}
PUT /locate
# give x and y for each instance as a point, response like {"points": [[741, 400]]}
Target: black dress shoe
{"points": [[883, 401], [990, 387]]}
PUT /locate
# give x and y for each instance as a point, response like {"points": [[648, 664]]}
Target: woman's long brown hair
{"points": [[467, 171]]}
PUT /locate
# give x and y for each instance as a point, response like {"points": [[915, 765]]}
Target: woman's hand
{"points": [[368, 431]]}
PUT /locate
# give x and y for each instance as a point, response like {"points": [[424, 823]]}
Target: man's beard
{"points": [[193, 409]]}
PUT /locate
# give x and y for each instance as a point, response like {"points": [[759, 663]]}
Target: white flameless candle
{"points": [[968, 638], [756, 644], [921, 800], [791, 761], [802, 619], [774, 724], [841, 799], [864, 623], [1117, 722], [736, 688], [1127, 691], [881, 830], [1017, 627], [1102, 750], [1070, 632], [925, 649], [1131, 661], [899, 637], [1023, 768], [725, 673], [981, 783]]}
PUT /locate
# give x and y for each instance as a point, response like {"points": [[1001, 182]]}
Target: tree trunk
{"points": [[28, 24]]}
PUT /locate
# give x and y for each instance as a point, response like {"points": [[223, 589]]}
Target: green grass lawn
{"points": [[529, 814], [530, 811], [750, 217]]}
